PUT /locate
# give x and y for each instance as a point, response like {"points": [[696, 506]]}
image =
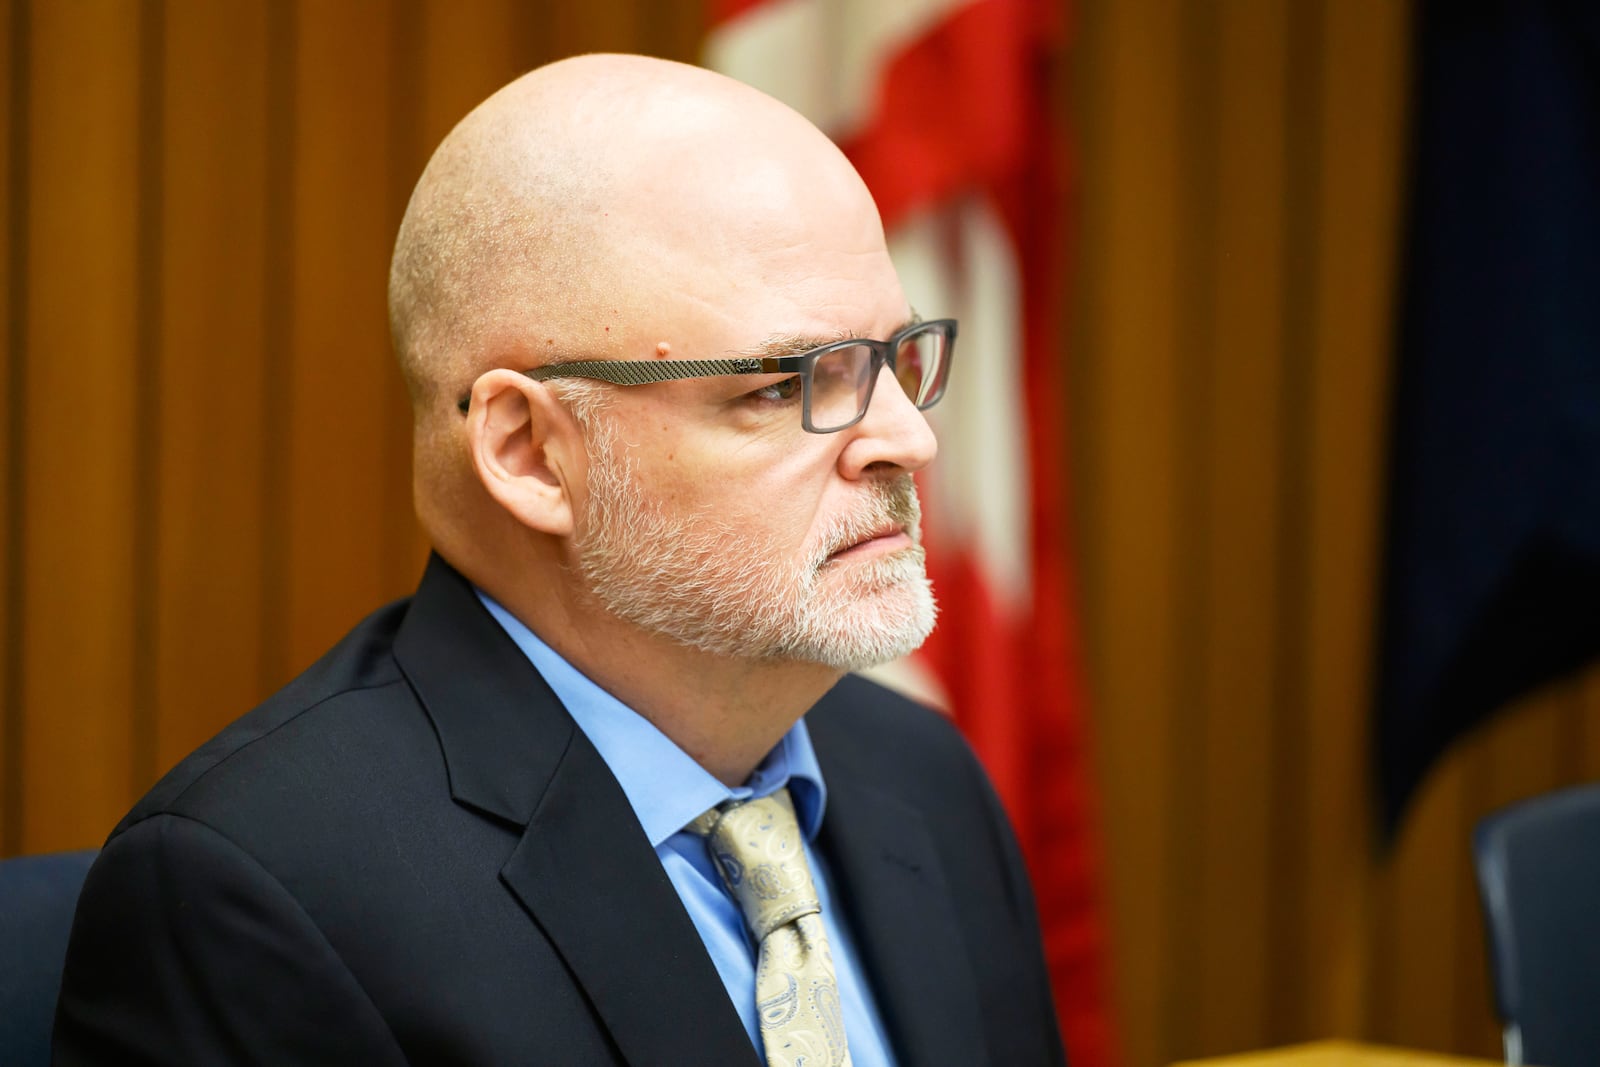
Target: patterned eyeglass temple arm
{"points": [[644, 371]]}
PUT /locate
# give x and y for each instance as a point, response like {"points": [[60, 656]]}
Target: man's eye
{"points": [[787, 389]]}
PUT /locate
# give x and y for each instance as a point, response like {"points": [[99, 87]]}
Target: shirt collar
{"points": [[665, 787]]}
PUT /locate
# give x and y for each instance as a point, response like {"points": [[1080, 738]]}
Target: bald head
{"points": [[613, 207], [576, 209]]}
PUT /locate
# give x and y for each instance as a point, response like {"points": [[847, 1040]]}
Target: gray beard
{"points": [[697, 580]]}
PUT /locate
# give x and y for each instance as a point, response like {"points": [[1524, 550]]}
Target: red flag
{"points": [[943, 107]]}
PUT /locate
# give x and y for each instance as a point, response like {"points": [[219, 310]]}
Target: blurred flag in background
{"points": [[1492, 583], [943, 105]]}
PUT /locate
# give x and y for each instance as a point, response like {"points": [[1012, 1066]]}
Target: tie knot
{"points": [[758, 850]]}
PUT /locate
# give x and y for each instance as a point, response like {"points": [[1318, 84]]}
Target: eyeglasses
{"points": [[836, 379]]}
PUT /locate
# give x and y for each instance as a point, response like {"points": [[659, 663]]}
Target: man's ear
{"points": [[525, 447]]}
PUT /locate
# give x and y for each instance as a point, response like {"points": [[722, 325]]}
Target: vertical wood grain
{"points": [[463, 56], [277, 335], [673, 31], [1424, 889], [149, 427], [1570, 742], [337, 449], [1129, 334], [1242, 476], [1189, 717], [597, 26], [1588, 725], [213, 363], [80, 471], [405, 546], [1360, 155], [13, 194], [1301, 150], [1522, 752]]}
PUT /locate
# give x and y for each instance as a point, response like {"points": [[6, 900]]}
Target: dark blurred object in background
{"points": [[1492, 582]]}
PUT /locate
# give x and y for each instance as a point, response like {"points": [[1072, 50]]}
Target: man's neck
{"points": [[726, 712]]}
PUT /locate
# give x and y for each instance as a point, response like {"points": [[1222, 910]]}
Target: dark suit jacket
{"points": [[411, 854]]}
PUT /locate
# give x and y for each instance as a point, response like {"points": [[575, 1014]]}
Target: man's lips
{"points": [[889, 539]]}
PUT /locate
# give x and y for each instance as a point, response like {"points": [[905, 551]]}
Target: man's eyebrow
{"points": [[797, 345], [791, 345]]}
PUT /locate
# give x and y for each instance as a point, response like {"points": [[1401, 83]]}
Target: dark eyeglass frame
{"points": [[645, 371]]}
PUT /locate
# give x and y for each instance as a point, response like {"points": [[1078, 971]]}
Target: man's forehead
{"points": [[797, 344]]}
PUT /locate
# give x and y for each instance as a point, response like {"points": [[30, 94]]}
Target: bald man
{"points": [[668, 398]]}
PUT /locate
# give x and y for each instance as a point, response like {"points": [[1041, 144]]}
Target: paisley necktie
{"points": [[757, 848]]}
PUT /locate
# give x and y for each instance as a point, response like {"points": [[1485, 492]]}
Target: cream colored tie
{"points": [[757, 848]]}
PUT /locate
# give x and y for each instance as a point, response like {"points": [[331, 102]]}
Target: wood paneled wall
{"points": [[204, 448], [1240, 189], [206, 445]]}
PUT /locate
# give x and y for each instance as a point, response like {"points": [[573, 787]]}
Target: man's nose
{"points": [[893, 434]]}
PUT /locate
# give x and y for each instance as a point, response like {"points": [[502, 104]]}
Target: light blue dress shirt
{"points": [[667, 789]]}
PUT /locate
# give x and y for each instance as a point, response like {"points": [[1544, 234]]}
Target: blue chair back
{"points": [[1539, 875], [38, 895]]}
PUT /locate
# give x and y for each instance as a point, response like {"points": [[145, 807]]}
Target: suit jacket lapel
{"points": [[583, 869], [593, 883], [889, 878]]}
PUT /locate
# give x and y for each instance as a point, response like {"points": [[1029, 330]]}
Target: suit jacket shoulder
{"points": [[392, 860]]}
